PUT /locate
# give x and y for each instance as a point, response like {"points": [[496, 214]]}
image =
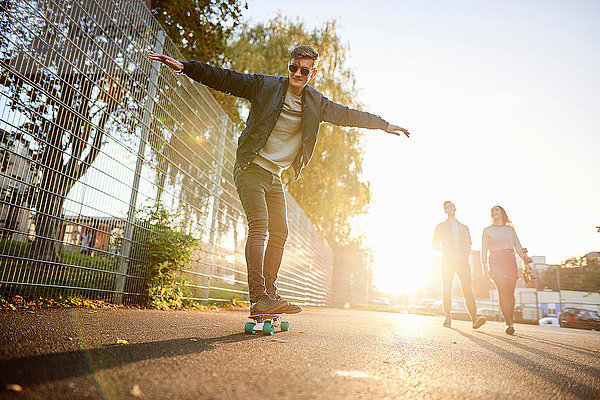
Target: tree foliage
{"points": [[575, 273], [201, 29]]}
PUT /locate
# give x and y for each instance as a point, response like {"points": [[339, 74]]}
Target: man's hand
{"points": [[168, 61], [396, 130]]}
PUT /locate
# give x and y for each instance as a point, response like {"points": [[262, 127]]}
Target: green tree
{"points": [[200, 29], [590, 278], [576, 273]]}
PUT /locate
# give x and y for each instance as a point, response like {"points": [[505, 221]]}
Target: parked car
{"points": [[459, 311], [580, 318], [548, 321], [422, 307], [436, 307], [380, 301]]}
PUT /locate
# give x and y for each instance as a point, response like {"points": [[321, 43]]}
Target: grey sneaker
{"points": [[478, 323], [291, 307], [267, 305]]}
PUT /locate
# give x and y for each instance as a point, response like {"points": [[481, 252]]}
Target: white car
{"points": [[548, 321]]}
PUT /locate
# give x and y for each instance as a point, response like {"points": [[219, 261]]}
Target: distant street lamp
{"points": [[537, 289]]}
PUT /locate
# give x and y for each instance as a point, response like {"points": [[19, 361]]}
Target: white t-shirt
{"points": [[455, 234]]}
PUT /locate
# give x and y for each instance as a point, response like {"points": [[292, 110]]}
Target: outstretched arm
{"points": [[221, 79], [345, 116]]}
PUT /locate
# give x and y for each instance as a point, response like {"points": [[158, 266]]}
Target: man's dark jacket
{"points": [[266, 95], [450, 253]]}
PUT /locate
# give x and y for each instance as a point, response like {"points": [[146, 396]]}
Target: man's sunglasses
{"points": [[304, 71]]}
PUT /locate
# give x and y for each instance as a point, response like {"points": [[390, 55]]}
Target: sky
{"points": [[502, 100]]}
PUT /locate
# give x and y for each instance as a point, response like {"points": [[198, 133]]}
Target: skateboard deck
{"points": [[266, 323]]}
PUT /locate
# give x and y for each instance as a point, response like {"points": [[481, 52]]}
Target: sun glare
{"points": [[405, 275]]}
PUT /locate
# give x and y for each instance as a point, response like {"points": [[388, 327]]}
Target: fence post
{"points": [[128, 232], [216, 192]]}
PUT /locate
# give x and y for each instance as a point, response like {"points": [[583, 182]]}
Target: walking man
{"points": [[455, 241], [281, 130]]}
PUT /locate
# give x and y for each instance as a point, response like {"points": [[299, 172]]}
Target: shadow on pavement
{"points": [[57, 366], [555, 378], [585, 368], [576, 349]]}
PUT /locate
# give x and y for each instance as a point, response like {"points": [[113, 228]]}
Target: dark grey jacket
{"points": [[266, 94]]}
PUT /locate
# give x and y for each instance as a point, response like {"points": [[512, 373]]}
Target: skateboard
{"points": [[266, 324]]}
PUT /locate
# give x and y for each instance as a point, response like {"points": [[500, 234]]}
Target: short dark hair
{"points": [[304, 51]]}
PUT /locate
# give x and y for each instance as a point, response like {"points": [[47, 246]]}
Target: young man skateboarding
{"points": [[281, 130], [455, 241]]}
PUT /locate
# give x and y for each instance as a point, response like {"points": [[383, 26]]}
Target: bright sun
{"points": [[403, 258], [398, 275]]}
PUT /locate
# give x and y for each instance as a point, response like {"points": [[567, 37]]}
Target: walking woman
{"points": [[501, 240]]}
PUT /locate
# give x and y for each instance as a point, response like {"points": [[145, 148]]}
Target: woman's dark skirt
{"points": [[503, 264]]}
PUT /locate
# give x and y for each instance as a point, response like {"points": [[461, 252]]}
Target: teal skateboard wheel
{"points": [[285, 326], [268, 329], [249, 327]]}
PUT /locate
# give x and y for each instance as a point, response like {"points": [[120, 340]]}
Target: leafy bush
{"points": [[168, 251]]}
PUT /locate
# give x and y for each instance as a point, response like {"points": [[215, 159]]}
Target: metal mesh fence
{"points": [[91, 133]]}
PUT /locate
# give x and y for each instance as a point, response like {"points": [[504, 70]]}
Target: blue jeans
{"points": [[263, 200]]}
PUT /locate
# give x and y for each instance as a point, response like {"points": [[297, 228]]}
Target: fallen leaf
{"points": [[136, 391], [13, 387], [194, 340], [122, 341]]}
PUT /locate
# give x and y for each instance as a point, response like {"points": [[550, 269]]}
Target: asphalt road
{"points": [[328, 353]]}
